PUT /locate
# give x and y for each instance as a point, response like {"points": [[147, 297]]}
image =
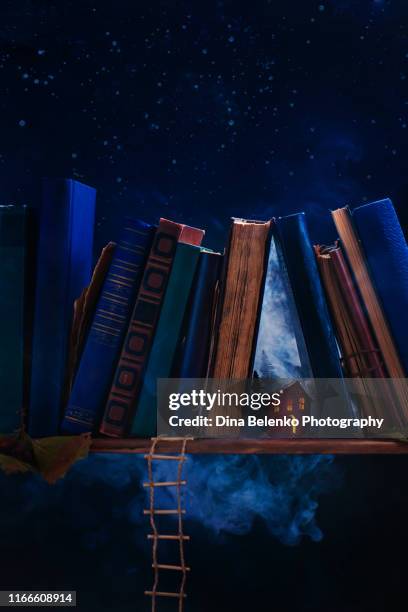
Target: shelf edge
{"points": [[259, 446]]}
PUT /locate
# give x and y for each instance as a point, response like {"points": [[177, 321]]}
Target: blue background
{"points": [[198, 111]]}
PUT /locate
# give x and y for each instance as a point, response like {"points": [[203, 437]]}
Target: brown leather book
{"points": [[361, 357], [240, 300], [355, 255], [360, 351]]}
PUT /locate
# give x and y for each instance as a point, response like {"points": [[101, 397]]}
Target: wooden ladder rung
{"points": [[166, 457], [165, 484], [164, 594], [151, 536], [164, 511], [177, 568]]}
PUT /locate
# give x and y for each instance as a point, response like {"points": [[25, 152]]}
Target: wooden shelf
{"points": [[259, 446]]}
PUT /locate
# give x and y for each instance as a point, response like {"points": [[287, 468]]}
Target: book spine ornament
{"points": [[128, 377], [101, 353], [165, 341]]}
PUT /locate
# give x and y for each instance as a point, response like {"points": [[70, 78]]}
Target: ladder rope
{"points": [[153, 525], [180, 529], [155, 536]]}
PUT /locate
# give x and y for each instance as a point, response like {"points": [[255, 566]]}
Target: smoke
{"points": [[227, 494], [88, 531]]}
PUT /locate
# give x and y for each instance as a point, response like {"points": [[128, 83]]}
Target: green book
{"points": [[13, 221], [166, 338]]}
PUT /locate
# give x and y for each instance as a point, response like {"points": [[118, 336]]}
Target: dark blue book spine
{"points": [[13, 232], [193, 352], [386, 251], [309, 297], [64, 264], [106, 335]]}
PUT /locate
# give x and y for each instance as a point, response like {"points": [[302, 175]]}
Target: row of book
{"points": [[82, 351]]}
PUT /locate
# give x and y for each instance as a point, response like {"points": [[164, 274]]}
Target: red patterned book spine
{"points": [[129, 372]]}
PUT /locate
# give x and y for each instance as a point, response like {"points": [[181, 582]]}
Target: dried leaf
{"points": [[54, 456], [49, 457], [11, 465]]}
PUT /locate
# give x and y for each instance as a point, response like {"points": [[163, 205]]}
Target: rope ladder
{"points": [[179, 511]]}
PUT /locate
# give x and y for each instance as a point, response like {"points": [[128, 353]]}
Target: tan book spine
{"points": [[358, 350], [355, 254], [245, 271]]}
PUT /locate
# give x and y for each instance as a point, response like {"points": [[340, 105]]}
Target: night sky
{"points": [[199, 111], [203, 110]]}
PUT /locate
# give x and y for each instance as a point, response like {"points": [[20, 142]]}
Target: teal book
{"points": [[13, 244], [167, 335]]}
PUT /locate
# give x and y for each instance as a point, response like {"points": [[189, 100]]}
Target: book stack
{"points": [[160, 305], [365, 275]]}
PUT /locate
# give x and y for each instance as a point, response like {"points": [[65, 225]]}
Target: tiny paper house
{"points": [[295, 402]]}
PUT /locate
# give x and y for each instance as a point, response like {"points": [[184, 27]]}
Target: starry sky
{"points": [[204, 110], [199, 111]]}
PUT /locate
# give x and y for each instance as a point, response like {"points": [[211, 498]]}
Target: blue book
{"points": [[110, 323], [13, 255], [166, 338], [309, 296], [386, 252], [280, 348], [193, 351], [64, 265]]}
